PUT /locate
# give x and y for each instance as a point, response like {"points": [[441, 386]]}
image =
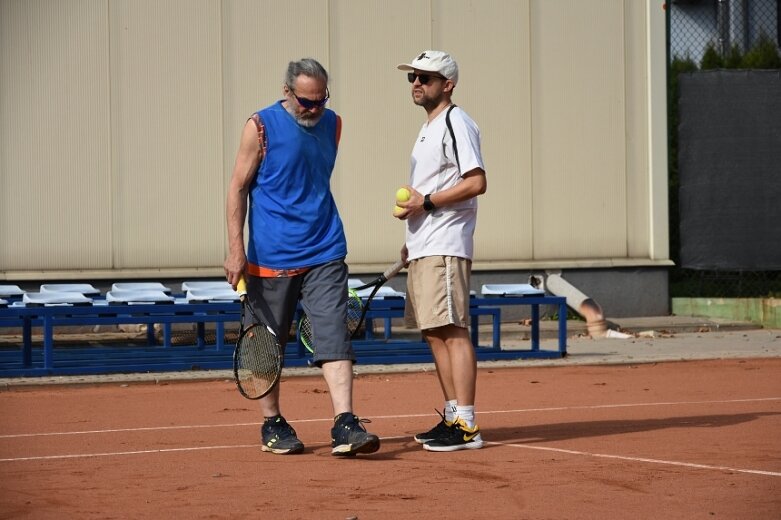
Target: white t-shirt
{"points": [[449, 230]]}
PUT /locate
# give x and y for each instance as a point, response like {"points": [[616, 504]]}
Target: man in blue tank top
{"points": [[296, 246]]}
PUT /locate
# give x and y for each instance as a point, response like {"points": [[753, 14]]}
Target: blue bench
{"points": [[25, 360], [493, 305], [387, 309]]}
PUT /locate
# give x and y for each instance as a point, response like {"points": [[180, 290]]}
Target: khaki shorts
{"points": [[437, 292]]}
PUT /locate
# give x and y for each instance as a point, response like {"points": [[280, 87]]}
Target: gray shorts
{"points": [[323, 294]]}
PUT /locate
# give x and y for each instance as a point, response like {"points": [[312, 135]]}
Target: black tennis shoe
{"points": [[349, 437], [460, 437], [279, 437], [441, 430]]}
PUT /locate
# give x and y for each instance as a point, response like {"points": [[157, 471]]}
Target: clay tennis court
{"points": [[666, 440]]}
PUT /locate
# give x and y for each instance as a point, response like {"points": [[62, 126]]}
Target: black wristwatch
{"points": [[427, 204]]}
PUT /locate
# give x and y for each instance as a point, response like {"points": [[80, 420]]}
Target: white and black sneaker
{"points": [[439, 431], [459, 437]]}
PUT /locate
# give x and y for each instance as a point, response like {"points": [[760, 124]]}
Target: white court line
{"points": [[118, 453], [140, 429], [405, 416], [509, 445], [162, 450], [640, 459], [543, 448]]}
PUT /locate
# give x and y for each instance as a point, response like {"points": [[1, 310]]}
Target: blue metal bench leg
{"points": [[496, 326], [166, 335], [368, 325], [563, 328], [48, 343], [150, 334], [387, 331], [496, 318], [535, 327], [201, 335], [474, 326], [219, 331], [27, 343]]}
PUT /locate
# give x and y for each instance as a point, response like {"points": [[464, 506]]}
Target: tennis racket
{"points": [[257, 359], [356, 309]]}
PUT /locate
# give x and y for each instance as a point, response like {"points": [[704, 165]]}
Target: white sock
{"points": [[450, 410], [467, 413]]}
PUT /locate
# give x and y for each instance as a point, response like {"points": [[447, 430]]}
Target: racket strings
{"points": [[354, 312], [305, 332], [258, 361], [352, 321]]}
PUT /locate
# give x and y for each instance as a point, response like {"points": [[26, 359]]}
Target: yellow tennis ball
{"points": [[402, 195], [397, 210]]}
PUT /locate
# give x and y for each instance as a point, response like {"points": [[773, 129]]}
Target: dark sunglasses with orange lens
{"points": [[423, 78]]}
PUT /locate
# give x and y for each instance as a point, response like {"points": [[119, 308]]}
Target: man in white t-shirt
{"points": [[446, 176]]}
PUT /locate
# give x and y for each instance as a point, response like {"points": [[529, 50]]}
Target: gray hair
{"points": [[306, 66]]}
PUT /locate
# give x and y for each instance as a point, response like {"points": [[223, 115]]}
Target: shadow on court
{"points": [[585, 429], [542, 433]]}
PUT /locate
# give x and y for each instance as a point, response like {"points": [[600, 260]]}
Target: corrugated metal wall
{"points": [[121, 119]]}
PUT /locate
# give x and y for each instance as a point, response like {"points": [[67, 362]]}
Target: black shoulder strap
{"points": [[452, 135]]}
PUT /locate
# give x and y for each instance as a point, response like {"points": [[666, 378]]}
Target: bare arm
{"points": [[247, 160], [404, 254], [472, 185]]}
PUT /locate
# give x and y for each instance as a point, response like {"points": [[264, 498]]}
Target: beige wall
{"points": [[121, 118]]}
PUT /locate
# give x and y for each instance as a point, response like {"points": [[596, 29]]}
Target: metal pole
{"points": [[722, 24]]}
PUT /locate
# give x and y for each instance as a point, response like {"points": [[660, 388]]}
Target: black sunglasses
{"points": [[309, 104], [423, 78]]}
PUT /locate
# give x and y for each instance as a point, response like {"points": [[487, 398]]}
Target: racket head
{"points": [[352, 321], [257, 361], [354, 312], [305, 333]]}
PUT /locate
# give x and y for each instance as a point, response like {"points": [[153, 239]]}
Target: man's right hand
{"points": [[235, 265]]}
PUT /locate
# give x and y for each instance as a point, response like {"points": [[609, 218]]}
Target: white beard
{"points": [[305, 122]]}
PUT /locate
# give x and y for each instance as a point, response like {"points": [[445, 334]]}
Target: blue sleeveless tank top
{"points": [[293, 219]]}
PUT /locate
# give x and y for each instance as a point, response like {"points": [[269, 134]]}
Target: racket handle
{"points": [[241, 287], [393, 270]]}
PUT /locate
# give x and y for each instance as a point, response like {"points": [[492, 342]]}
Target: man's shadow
{"points": [[583, 429], [542, 433]]}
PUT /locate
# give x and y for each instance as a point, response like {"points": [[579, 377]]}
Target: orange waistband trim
{"points": [[267, 272]]}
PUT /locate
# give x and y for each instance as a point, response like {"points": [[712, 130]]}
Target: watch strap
{"points": [[427, 204]]}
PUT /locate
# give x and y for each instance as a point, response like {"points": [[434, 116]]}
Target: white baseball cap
{"points": [[434, 61]]}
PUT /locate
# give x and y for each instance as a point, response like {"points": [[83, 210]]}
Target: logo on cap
{"points": [[422, 55]]}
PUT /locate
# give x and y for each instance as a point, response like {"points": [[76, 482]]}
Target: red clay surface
{"points": [[675, 440]]}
